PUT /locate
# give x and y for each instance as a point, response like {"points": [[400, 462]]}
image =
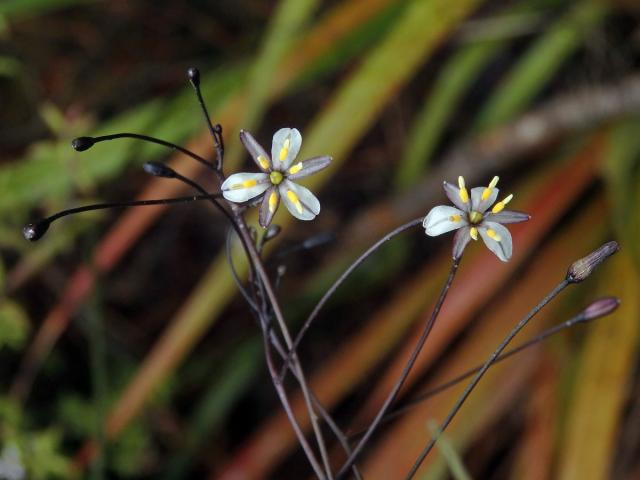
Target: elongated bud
{"points": [[158, 169], [600, 308], [194, 76], [35, 231], [581, 269], [81, 144], [317, 240]]}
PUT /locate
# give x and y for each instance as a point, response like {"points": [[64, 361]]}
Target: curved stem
{"points": [[405, 372], [133, 203], [329, 293], [157, 141], [492, 359], [420, 397]]}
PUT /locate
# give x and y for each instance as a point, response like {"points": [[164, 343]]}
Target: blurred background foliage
{"points": [[125, 349]]}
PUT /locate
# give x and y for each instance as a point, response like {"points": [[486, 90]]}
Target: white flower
{"points": [[470, 217], [275, 179]]}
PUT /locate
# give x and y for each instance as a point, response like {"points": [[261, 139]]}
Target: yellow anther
{"points": [[464, 195], [454, 218], [296, 168], [473, 233], [273, 202], [295, 200], [264, 163], [492, 234], [284, 151], [486, 193], [498, 207], [494, 182], [461, 182]]}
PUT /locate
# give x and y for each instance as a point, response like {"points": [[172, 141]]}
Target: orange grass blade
{"points": [[600, 389]]}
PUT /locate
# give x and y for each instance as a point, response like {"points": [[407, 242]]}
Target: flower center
{"points": [[276, 177], [474, 217]]}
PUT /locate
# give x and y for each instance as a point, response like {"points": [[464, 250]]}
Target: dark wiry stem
{"points": [[492, 359], [149, 139], [405, 372], [325, 298]]}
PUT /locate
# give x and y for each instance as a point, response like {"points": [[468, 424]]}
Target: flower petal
{"points": [[307, 167], [299, 200], [507, 216], [453, 194], [480, 205], [256, 151], [285, 147], [460, 240], [269, 205], [497, 239], [241, 187], [442, 219]]}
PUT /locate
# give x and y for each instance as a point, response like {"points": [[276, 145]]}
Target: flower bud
{"points": [[35, 231], [581, 269], [600, 308], [81, 144]]}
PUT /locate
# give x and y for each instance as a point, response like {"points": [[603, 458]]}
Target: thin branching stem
{"points": [[492, 359], [329, 293], [157, 141], [421, 397], [393, 394]]}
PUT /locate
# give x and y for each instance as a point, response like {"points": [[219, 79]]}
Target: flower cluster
{"points": [[471, 217], [275, 180]]}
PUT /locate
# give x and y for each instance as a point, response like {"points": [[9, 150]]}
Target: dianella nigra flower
{"points": [[275, 181], [471, 216]]}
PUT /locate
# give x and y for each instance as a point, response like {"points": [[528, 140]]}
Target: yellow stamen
{"points": [[296, 168], [264, 163], [474, 233], [492, 234], [245, 184], [486, 193], [498, 207], [284, 151], [273, 202], [295, 200], [454, 218], [464, 195]]}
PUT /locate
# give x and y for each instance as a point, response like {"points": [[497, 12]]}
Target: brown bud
{"points": [[581, 269], [600, 308]]}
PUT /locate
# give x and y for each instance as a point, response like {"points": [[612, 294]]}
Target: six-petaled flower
{"points": [[470, 218], [275, 181]]}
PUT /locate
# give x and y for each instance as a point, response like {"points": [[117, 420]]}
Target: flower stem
{"points": [[492, 359], [329, 293], [405, 372]]}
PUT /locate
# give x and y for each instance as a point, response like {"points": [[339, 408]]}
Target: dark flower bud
{"points": [[581, 269], [600, 308], [81, 144], [35, 231], [194, 75], [158, 169]]}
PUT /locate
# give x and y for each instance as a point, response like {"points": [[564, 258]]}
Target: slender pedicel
{"points": [[597, 309], [393, 394], [325, 298], [35, 231], [81, 144], [216, 131], [577, 272]]}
